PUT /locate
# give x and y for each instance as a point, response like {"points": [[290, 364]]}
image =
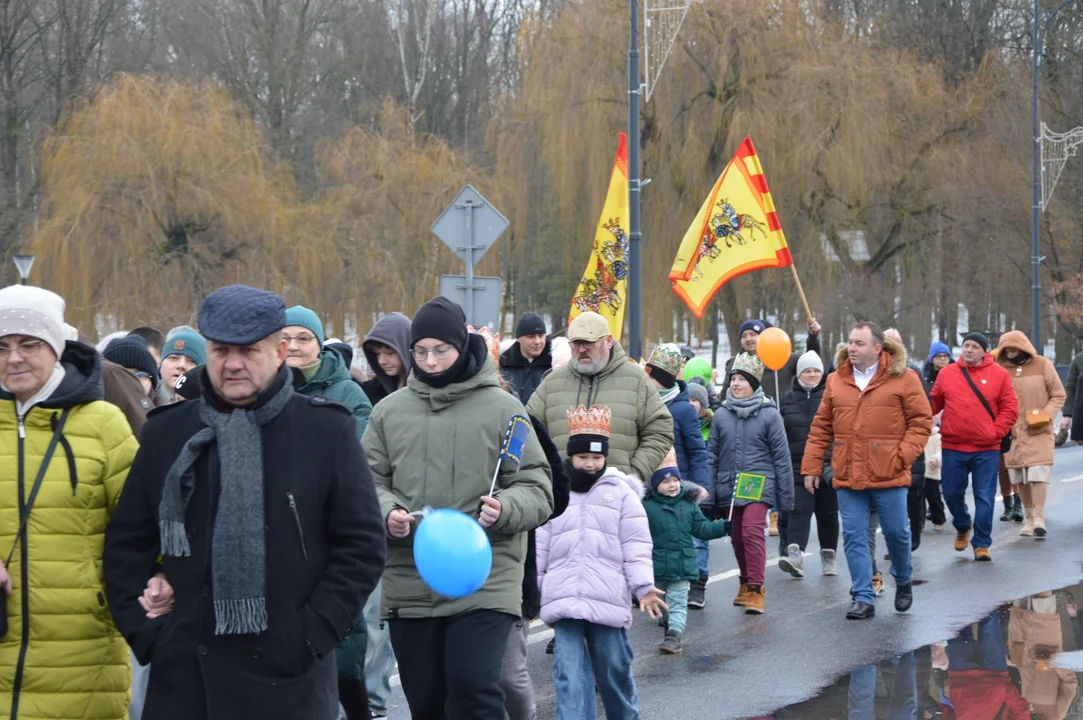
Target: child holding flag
{"points": [[675, 519], [750, 463], [590, 559]]}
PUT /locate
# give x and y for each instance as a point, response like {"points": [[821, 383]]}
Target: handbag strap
{"points": [[57, 432], [984, 402]]}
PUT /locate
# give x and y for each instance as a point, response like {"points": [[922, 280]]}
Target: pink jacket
{"points": [[595, 555]]}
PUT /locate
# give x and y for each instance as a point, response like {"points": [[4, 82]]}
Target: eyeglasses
{"points": [[301, 339], [583, 344], [142, 375], [27, 349], [440, 352]]}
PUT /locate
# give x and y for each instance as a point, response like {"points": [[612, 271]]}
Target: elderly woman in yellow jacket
{"points": [[64, 456]]}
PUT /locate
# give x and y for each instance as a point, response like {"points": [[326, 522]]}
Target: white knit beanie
{"points": [[809, 361], [34, 312]]}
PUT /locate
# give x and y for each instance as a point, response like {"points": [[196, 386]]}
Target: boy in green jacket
{"points": [[675, 518]]}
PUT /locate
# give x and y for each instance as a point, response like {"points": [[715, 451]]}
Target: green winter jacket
{"points": [[438, 447], [674, 522], [705, 426], [333, 381], [642, 430]]}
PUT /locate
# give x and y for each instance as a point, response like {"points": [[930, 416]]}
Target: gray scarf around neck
{"points": [[238, 552], [746, 407]]}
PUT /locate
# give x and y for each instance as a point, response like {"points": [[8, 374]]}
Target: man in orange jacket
{"points": [[875, 412], [979, 405]]}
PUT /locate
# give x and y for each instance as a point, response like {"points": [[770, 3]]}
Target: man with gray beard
{"points": [[601, 374]]}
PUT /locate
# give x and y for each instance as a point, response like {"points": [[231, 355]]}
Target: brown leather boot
{"points": [[754, 600], [773, 529], [742, 596]]}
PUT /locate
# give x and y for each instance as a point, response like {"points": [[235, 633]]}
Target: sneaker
{"points": [[1017, 509], [982, 554], [773, 528], [377, 712], [742, 596], [754, 600], [962, 539], [549, 647], [672, 643], [793, 561], [829, 562], [937, 528], [697, 593], [877, 584]]}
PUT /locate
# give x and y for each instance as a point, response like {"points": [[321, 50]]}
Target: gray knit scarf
{"points": [[746, 407], [238, 554]]}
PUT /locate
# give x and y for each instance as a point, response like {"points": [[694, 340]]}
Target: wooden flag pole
{"points": [[801, 291]]}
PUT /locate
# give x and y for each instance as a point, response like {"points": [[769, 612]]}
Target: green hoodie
{"points": [[333, 382], [438, 447]]}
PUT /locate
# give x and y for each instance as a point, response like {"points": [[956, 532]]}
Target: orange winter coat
{"points": [[878, 433], [1037, 387]]}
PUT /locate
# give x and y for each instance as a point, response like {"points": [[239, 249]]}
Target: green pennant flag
{"points": [[750, 487]]}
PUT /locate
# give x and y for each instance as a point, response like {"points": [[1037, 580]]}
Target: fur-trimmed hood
{"points": [[896, 357]]}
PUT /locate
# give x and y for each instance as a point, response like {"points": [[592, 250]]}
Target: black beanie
{"points": [[530, 324], [441, 319], [752, 379], [131, 352], [346, 351], [980, 339]]}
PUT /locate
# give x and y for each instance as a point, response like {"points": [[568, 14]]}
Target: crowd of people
{"points": [[218, 521]]}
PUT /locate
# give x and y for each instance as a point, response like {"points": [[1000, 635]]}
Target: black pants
{"points": [[915, 508], [824, 504], [354, 698], [450, 667], [935, 500]]}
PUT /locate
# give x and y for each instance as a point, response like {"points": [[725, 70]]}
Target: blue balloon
{"points": [[452, 553]]}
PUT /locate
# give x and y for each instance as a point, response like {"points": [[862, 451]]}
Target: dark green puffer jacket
{"points": [[674, 522]]}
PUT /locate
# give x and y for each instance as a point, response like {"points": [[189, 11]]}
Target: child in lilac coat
{"points": [[591, 560]]}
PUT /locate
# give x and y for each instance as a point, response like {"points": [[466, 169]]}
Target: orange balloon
{"points": [[774, 348]]}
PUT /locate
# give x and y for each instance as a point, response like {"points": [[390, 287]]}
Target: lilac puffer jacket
{"points": [[591, 558]]}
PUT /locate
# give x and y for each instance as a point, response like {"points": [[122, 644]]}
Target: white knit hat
{"points": [[34, 312], [809, 361]]}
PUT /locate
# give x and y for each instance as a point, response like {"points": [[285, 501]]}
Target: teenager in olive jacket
{"points": [[436, 443]]}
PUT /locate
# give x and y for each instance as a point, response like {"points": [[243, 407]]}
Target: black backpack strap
{"points": [[57, 434], [984, 402]]}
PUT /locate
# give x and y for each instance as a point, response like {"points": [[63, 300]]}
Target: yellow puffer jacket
{"points": [[65, 659]]}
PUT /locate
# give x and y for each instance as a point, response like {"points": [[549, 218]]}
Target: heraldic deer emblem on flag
{"points": [[726, 225]]}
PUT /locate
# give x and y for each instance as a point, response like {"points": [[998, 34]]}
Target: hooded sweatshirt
{"points": [[392, 330]]}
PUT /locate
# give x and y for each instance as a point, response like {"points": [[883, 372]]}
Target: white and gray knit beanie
{"points": [[809, 361], [34, 312]]}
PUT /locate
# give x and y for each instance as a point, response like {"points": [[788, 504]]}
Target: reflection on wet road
{"points": [[1006, 666]]}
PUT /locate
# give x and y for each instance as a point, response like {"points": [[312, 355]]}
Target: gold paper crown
{"points": [[595, 421], [669, 461]]}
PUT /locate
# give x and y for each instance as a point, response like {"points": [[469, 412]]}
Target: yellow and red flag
{"points": [[604, 286], [736, 231]]}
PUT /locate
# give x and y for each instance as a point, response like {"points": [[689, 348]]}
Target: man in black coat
{"points": [[259, 503], [526, 363]]}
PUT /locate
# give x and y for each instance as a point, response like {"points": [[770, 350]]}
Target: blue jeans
{"points": [[984, 467], [890, 504], [903, 692], [379, 657], [676, 596], [987, 653], [703, 555], [610, 653]]}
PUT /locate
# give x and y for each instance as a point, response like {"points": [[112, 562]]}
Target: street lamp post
{"points": [[24, 263], [1036, 199], [635, 235]]}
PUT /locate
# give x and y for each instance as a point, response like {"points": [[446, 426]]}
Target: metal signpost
{"points": [[470, 225]]}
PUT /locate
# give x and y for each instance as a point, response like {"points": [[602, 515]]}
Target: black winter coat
{"points": [[798, 410], [1077, 427], [561, 490], [325, 551], [522, 375]]}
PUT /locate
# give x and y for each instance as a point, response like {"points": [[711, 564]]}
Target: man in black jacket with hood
{"points": [[526, 363], [261, 509]]}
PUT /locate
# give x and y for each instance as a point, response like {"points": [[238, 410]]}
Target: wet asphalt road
{"points": [[738, 666]]}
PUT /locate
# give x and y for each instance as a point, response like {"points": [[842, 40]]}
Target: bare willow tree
{"points": [[157, 193]]}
